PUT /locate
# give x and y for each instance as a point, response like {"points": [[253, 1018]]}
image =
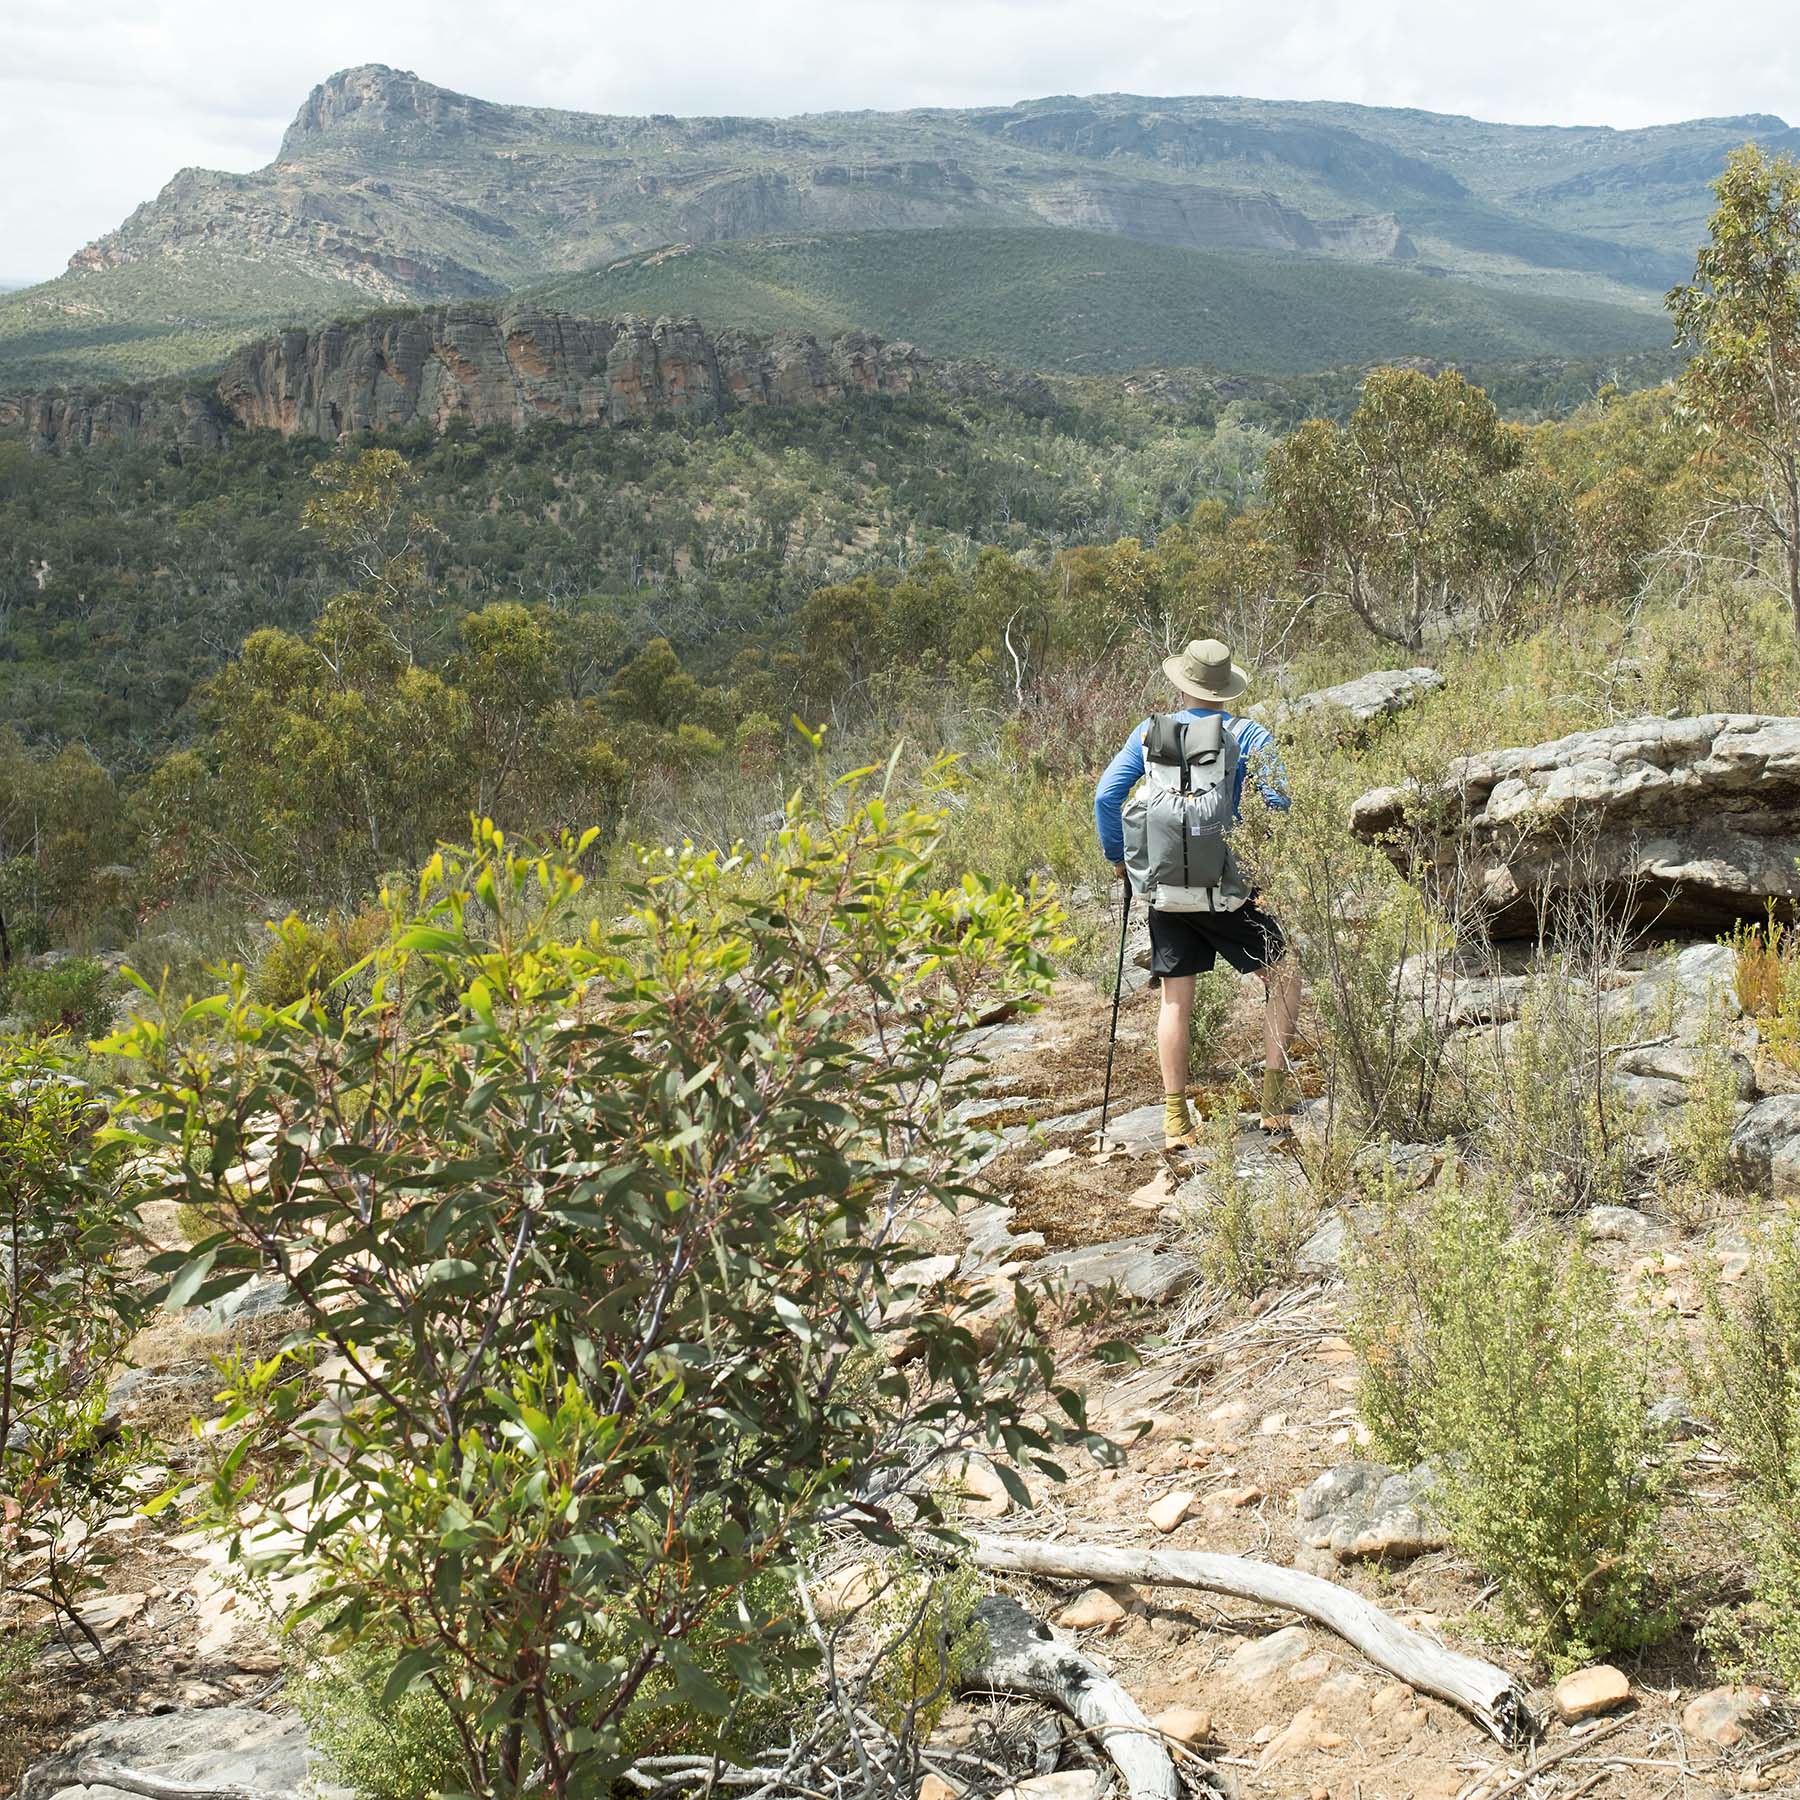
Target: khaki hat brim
{"points": [[1172, 667]]}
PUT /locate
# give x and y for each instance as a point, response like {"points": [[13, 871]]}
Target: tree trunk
{"points": [[1488, 1694]]}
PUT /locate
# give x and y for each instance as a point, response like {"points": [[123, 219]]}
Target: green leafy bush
{"points": [[610, 1251], [304, 958], [1507, 1361], [406, 1748], [75, 995]]}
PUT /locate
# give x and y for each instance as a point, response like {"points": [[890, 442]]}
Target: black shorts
{"points": [[1189, 943]]}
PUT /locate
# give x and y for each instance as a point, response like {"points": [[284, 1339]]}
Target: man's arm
{"points": [[1259, 756], [1109, 795]]}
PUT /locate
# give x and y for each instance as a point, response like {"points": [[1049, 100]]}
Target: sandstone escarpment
{"points": [[484, 367]]}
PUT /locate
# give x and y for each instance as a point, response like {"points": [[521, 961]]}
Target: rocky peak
{"points": [[373, 100]]}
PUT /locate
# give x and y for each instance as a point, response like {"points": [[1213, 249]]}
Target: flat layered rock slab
{"points": [[204, 1747], [1681, 824], [1142, 1268]]}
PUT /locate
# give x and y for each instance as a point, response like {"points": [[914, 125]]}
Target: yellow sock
{"points": [[1176, 1122], [1275, 1093]]}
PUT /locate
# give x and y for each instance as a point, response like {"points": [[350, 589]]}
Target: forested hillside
{"points": [[1084, 303]]}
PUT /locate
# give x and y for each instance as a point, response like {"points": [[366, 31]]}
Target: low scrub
{"points": [[1506, 1359], [1246, 1229], [1768, 984]]}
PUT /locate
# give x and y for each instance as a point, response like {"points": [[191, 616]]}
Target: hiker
{"points": [[1201, 908]]}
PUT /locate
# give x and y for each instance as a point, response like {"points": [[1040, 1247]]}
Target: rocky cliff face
{"points": [[507, 367]]}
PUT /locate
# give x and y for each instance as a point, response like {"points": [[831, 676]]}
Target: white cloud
{"points": [[102, 100]]}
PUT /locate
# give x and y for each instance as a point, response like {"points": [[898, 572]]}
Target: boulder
{"points": [[215, 1746], [1681, 824], [1369, 697], [1765, 1148], [1365, 1510], [1142, 1268], [253, 1299], [1686, 1064]]}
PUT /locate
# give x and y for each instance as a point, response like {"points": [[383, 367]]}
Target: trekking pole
{"points": [[1112, 1036]]}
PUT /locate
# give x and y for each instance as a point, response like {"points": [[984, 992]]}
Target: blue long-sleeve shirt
{"points": [[1255, 743]]}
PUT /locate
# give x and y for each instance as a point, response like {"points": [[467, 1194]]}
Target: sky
{"points": [[101, 101]]}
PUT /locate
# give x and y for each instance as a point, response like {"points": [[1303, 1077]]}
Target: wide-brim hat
{"points": [[1204, 671]]}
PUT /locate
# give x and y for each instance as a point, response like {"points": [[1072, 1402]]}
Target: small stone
{"points": [[1154, 1194], [1274, 1423], [1262, 1657], [1305, 1731], [1065, 1784], [1387, 1698], [1228, 1412], [935, 1787], [975, 1482], [1722, 1715], [845, 1590], [1054, 1159], [1184, 1724], [1590, 1692], [1311, 1668], [1244, 1496], [1094, 1610], [1168, 1512], [1320, 1793]]}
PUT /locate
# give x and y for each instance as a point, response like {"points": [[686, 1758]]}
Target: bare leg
{"points": [[1174, 1028], [1281, 1014]]}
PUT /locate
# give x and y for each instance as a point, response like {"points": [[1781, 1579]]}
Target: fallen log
{"points": [[1023, 1658], [1486, 1693]]}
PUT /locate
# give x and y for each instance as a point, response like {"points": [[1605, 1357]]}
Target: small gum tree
{"points": [[1401, 511], [604, 1229], [1740, 316]]}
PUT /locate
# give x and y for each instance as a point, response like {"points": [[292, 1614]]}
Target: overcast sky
{"points": [[102, 100]]}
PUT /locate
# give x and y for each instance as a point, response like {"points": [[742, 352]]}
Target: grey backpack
{"points": [[1179, 817]]}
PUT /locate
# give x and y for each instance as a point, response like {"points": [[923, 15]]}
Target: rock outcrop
{"points": [[1681, 825], [484, 366], [1356, 703]]}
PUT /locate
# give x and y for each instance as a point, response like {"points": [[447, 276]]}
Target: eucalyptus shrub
{"points": [[606, 1223]]}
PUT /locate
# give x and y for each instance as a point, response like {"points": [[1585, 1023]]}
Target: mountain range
{"points": [[389, 191]]}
